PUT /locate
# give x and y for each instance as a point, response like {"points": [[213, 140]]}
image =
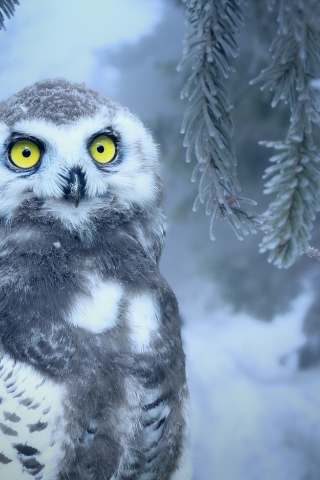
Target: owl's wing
{"points": [[165, 435], [161, 409]]}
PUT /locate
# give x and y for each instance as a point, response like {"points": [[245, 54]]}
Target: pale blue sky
{"points": [[49, 39]]}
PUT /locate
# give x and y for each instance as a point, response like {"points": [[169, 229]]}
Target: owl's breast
{"points": [[31, 422]]}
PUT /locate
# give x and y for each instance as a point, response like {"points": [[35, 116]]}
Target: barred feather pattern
{"points": [[210, 44]]}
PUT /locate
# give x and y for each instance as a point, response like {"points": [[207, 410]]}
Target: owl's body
{"points": [[92, 373]]}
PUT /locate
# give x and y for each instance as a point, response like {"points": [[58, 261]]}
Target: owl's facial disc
{"points": [[76, 170]]}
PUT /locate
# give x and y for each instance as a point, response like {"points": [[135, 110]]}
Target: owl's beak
{"points": [[76, 186]]}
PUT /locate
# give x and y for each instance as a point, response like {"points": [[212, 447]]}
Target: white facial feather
{"points": [[132, 181]]}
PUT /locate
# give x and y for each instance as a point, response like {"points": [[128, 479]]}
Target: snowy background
{"points": [[255, 414]]}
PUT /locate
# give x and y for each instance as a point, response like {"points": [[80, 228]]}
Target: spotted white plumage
{"points": [[92, 374], [31, 415]]}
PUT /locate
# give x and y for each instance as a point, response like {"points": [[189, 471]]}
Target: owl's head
{"points": [[73, 152]]}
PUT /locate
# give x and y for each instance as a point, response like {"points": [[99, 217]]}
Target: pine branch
{"points": [[7, 8], [296, 180], [295, 175], [210, 44]]}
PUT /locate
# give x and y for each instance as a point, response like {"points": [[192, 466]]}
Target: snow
{"points": [[254, 415]]}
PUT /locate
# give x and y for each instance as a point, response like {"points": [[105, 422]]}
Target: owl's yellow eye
{"points": [[103, 149], [24, 153]]}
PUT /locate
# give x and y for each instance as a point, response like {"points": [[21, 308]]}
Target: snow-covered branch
{"points": [[210, 44], [295, 173]]}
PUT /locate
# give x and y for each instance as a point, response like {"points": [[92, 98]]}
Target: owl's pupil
{"points": [[26, 153], [100, 148]]}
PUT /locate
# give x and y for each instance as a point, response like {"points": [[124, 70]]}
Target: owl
{"points": [[92, 370]]}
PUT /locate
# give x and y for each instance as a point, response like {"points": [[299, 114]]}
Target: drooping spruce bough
{"points": [[294, 175]]}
